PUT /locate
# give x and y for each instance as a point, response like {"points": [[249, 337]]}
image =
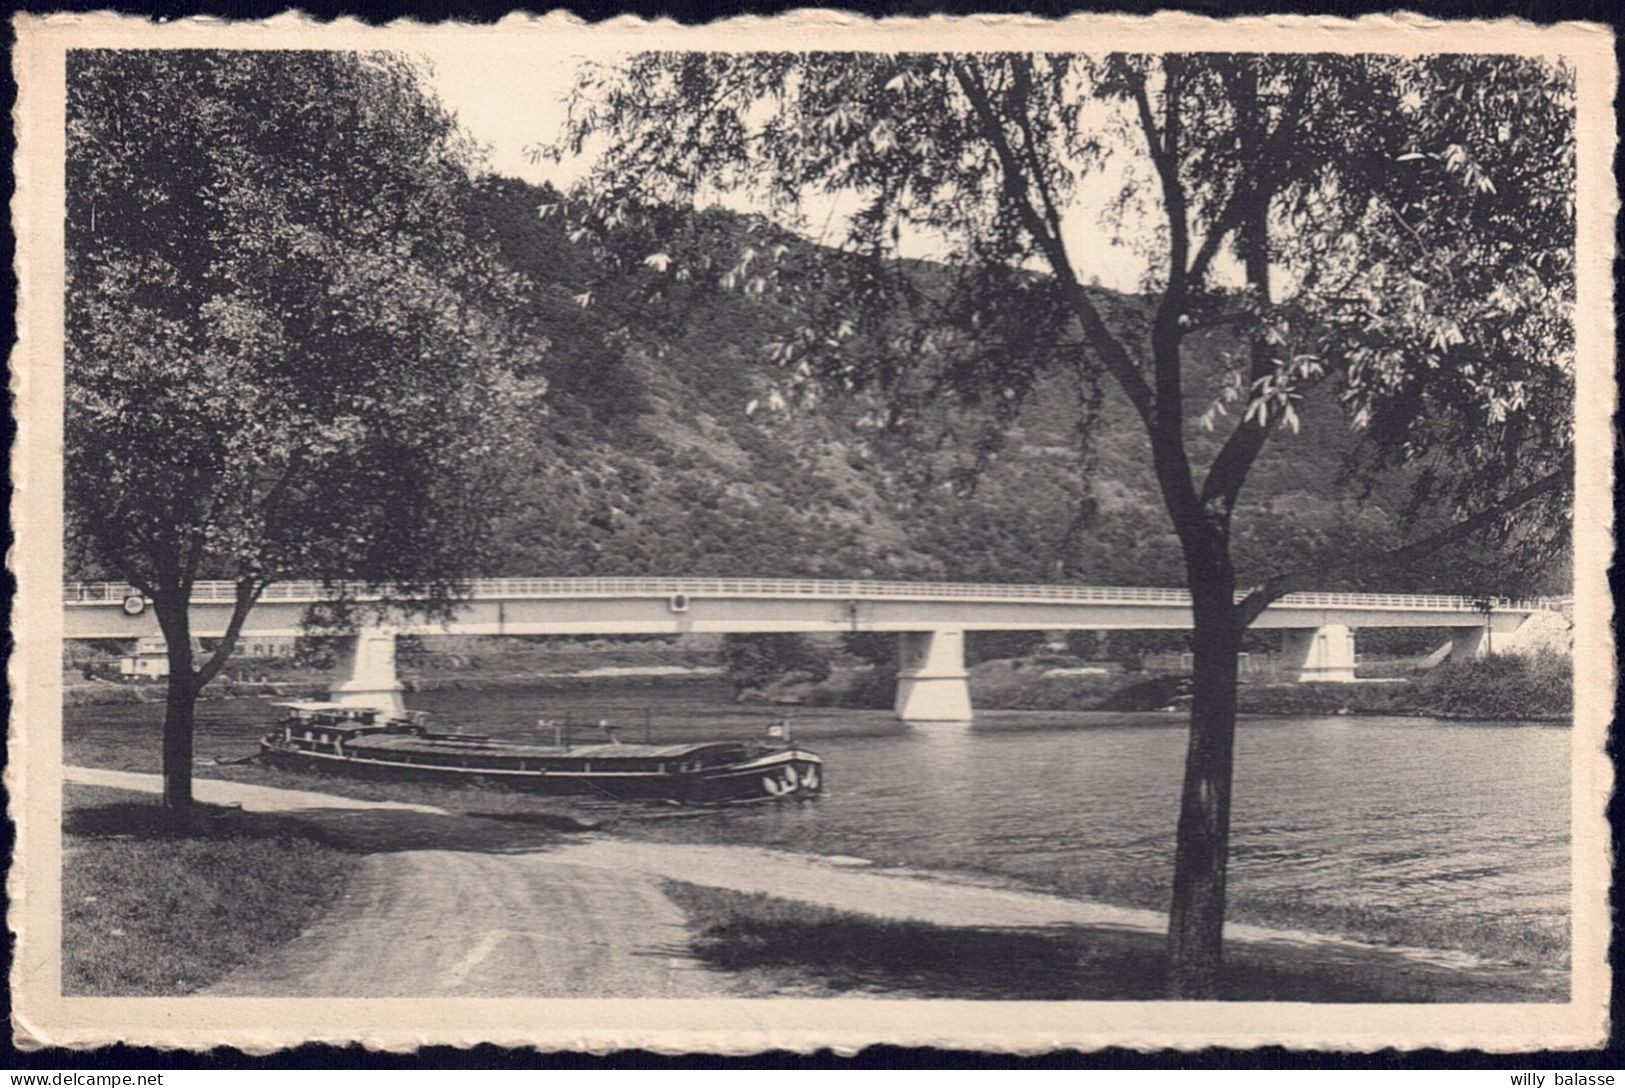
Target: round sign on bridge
{"points": [[134, 604]]}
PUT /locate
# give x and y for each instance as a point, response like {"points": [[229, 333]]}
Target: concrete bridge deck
{"points": [[524, 606], [930, 618]]}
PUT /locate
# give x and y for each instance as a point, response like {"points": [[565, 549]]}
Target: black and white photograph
{"points": [[812, 533]]}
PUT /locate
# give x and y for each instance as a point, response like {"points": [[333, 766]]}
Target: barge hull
{"points": [[778, 775]]}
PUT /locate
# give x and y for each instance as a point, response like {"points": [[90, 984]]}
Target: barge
{"points": [[361, 742]]}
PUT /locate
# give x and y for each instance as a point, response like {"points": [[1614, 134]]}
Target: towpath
{"points": [[453, 923]]}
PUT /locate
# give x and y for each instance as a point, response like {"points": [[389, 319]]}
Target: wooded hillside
{"points": [[651, 464]]}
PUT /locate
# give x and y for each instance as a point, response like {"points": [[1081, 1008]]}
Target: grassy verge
{"points": [[1509, 687], [1505, 687], [155, 904], [775, 946]]}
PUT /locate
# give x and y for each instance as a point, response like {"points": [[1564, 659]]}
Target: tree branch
{"points": [[1113, 354], [1229, 216], [1280, 585], [1168, 453], [248, 591], [1235, 459], [1246, 187], [1164, 152], [1029, 145]]}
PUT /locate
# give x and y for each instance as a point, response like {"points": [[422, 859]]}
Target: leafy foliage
{"points": [[290, 351], [753, 661], [1498, 687]]}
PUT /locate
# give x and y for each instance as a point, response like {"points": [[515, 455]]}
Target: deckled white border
{"points": [[43, 1017]]}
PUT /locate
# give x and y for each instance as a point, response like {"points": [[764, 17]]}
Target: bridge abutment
{"points": [[1319, 654], [369, 662], [932, 684], [1471, 642]]}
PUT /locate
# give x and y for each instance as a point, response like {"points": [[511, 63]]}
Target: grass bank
{"points": [[1507, 687], [1501, 687], [159, 904], [779, 947]]}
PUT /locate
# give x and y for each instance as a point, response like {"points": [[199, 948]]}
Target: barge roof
{"points": [[410, 742]]}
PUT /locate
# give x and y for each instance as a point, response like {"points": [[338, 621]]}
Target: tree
{"points": [[287, 350], [1394, 234]]}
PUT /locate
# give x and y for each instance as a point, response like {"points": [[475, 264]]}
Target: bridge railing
{"points": [[97, 593]]}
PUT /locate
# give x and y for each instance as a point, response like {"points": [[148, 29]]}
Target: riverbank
{"points": [[1507, 687], [1502, 687], [315, 684], [161, 905], [523, 915]]}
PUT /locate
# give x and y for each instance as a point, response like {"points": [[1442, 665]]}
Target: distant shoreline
{"points": [[1276, 700], [1537, 688], [316, 685]]}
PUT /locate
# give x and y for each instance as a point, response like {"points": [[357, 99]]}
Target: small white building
{"points": [[149, 660]]}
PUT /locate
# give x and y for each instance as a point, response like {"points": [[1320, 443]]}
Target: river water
{"points": [[1406, 829]]}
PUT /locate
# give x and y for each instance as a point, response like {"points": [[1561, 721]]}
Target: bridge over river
{"points": [[930, 619]]}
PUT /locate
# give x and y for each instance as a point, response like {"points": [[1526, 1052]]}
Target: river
{"points": [[1411, 830]]}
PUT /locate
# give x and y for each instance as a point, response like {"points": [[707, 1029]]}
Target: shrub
{"points": [[1509, 686], [876, 648], [873, 689], [1499, 686], [754, 661], [983, 646]]}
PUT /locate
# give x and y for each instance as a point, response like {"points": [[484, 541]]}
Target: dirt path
{"points": [[444, 923], [442, 904]]}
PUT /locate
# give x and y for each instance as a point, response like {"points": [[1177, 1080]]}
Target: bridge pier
{"points": [[369, 662], [1319, 654], [931, 677]]}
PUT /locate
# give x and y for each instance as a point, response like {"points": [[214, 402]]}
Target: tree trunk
{"points": [[1196, 916], [179, 705]]}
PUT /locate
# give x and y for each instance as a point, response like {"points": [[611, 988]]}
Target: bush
{"points": [[872, 689], [1313, 699], [99, 695], [877, 649], [1021, 685], [317, 651], [1150, 693], [1499, 686], [983, 646], [754, 661], [1505, 686]]}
